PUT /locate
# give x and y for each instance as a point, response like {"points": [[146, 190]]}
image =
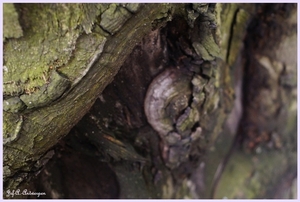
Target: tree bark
{"points": [[58, 38], [57, 66]]}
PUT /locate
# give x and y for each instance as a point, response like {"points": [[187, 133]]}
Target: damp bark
{"points": [[228, 72]]}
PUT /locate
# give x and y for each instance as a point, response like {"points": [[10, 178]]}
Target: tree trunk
{"points": [[56, 70], [199, 104]]}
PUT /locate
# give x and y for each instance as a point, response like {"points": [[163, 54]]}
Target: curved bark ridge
{"points": [[45, 57]]}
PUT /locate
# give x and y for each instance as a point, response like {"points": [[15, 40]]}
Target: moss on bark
{"points": [[54, 38]]}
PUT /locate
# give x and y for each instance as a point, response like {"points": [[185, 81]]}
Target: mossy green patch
{"points": [[48, 92], [225, 16], [13, 104], [249, 176], [113, 18], [48, 43], [239, 29], [11, 25]]}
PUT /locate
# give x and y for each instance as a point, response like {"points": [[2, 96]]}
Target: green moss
{"points": [[49, 43], [55, 120], [208, 48], [232, 21], [191, 116], [48, 92], [251, 176], [113, 18], [239, 29], [11, 25], [225, 15], [236, 173], [201, 50], [210, 45], [11, 120], [6, 171], [83, 55], [13, 104], [132, 7], [90, 14]]}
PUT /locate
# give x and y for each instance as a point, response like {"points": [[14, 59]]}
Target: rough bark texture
{"points": [[57, 37], [220, 137]]}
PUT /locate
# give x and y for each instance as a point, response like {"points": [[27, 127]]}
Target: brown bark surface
{"points": [[243, 57]]}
